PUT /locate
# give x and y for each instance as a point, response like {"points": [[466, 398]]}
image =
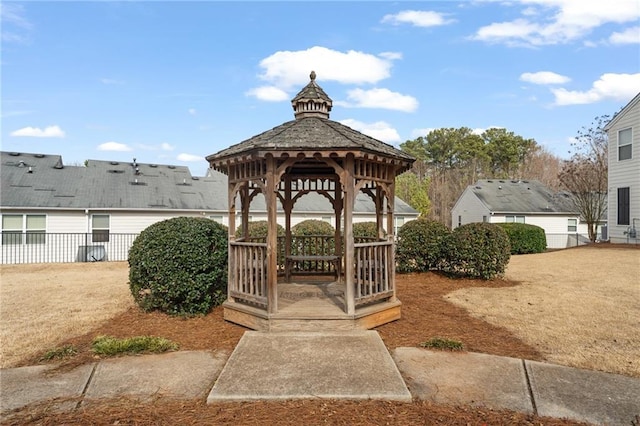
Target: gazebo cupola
{"points": [[311, 101]]}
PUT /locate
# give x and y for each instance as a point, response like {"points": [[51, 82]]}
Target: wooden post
{"points": [[231, 194], [337, 211], [272, 236], [348, 181], [391, 266]]}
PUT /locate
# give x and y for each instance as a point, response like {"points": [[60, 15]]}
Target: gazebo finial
{"points": [[312, 76]]}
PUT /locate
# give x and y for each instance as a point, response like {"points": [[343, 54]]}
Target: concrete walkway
{"points": [[341, 365]]}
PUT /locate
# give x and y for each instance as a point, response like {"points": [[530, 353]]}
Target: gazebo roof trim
{"points": [[310, 133]]}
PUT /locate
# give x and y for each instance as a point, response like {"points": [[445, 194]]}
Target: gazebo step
{"points": [[310, 319]]}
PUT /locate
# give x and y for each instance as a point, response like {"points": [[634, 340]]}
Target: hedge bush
{"points": [[365, 230], [525, 238], [313, 227], [476, 250], [259, 229], [179, 266], [419, 247]]}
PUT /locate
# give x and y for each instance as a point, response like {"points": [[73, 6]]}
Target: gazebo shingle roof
{"points": [[311, 133]]}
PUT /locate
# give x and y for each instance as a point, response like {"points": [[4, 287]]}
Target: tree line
{"points": [[450, 159]]}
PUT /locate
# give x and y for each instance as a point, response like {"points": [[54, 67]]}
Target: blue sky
{"points": [[172, 82]]}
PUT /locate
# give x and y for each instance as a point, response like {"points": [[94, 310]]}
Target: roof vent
{"points": [[115, 171], [153, 165], [39, 155], [14, 154], [195, 178], [114, 163], [171, 167], [21, 164]]}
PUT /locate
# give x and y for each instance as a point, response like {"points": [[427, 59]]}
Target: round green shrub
{"points": [[525, 238], [179, 266], [419, 247], [365, 230], [476, 250], [303, 243], [259, 229], [313, 227]]}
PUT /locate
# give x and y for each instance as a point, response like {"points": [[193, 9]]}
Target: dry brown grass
{"points": [[578, 307], [42, 305]]}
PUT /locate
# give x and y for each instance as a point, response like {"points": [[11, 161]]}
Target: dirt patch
{"points": [[297, 412]]}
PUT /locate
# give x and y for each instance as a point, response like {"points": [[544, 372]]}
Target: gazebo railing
{"points": [[248, 272], [373, 279]]}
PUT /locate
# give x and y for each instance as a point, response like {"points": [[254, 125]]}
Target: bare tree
{"points": [[584, 175]]}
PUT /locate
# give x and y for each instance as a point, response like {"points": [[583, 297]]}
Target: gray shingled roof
{"points": [[312, 91], [43, 181], [315, 134], [521, 196]]}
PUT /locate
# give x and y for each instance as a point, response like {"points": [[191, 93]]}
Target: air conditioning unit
{"points": [[91, 254]]}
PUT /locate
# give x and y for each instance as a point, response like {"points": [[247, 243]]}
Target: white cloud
{"points": [[392, 56], [416, 133], [36, 132], [417, 18], [628, 36], [380, 98], [268, 93], [479, 130], [15, 27], [114, 146], [380, 130], [166, 147], [619, 87], [192, 111], [189, 158], [548, 22], [290, 69], [544, 77]]}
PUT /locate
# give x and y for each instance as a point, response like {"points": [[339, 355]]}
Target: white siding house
{"points": [[623, 132], [51, 212], [523, 201]]}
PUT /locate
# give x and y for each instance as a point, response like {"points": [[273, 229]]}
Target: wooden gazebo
{"points": [[311, 154]]}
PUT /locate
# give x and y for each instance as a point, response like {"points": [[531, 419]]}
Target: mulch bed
{"points": [[425, 314]]}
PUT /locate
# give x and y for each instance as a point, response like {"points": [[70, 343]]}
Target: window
{"points": [[484, 219], [514, 219], [399, 221], [623, 206], [33, 226], [100, 228], [36, 228], [459, 220], [11, 229], [572, 225], [624, 145], [217, 218]]}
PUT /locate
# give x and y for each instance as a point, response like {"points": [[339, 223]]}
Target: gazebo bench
{"points": [[290, 260]]}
